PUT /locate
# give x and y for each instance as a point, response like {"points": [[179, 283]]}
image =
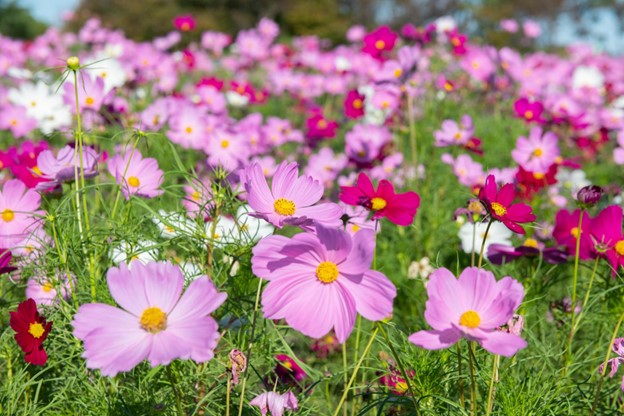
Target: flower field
{"points": [[411, 223]]}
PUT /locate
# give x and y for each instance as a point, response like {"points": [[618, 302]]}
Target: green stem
{"points": [[473, 384], [493, 380], [461, 379], [355, 370], [249, 348], [117, 197], [227, 396], [401, 367], [574, 283], [586, 298], [344, 368], [604, 364], [412, 130], [487, 230], [176, 392]]}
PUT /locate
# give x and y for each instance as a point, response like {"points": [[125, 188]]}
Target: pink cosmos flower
{"points": [[15, 118], [354, 104], [61, 168], [291, 198], [325, 275], [499, 205], [531, 28], [618, 348], [319, 127], [157, 322], [509, 25], [47, 291], [275, 403], [536, 153], [469, 173], [472, 307], [136, 175], [91, 94], [19, 209], [453, 133]]}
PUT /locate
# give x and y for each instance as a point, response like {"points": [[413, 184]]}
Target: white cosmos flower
{"points": [[473, 233], [244, 229], [174, 224], [109, 69], [43, 105], [587, 77], [143, 251]]}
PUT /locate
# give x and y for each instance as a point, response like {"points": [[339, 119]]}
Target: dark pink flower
{"points": [[499, 205], [184, 23]]}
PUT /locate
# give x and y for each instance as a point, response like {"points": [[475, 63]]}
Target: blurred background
{"points": [[597, 22]]}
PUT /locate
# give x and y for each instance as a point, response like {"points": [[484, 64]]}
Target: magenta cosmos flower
{"points": [[136, 175], [291, 198], [156, 323], [319, 282], [383, 202], [472, 307], [499, 205]]}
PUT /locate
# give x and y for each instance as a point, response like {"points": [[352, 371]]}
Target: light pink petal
{"points": [[328, 213], [200, 299], [502, 343], [479, 287], [163, 283], [373, 295], [337, 243], [361, 255], [127, 289], [284, 179], [304, 192], [444, 287], [435, 340], [259, 196], [95, 315]]}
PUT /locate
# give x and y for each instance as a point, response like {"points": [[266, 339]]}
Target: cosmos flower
{"points": [[31, 330], [472, 306], [536, 153], [291, 198], [471, 236], [48, 291], [499, 205], [566, 232], [5, 260], [531, 111], [19, 209], [607, 236], [157, 322], [354, 104], [184, 23], [618, 348], [61, 168], [383, 202], [137, 175], [275, 403], [327, 276]]}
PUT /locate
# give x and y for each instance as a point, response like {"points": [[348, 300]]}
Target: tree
{"points": [[17, 22]]}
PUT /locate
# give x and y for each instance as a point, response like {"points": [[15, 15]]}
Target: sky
{"points": [[604, 25]]}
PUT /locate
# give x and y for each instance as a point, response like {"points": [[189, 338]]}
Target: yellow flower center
{"points": [[498, 209], [378, 203], [89, 101], [400, 387], [321, 124], [153, 320], [380, 44], [455, 41], [575, 232], [134, 182], [530, 242], [398, 72], [470, 319], [538, 152], [7, 215], [457, 136], [284, 206], [156, 120], [36, 330], [357, 104], [475, 64], [47, 287], [329, 339], [287, 364], [327, 272], [195, 196], [538, 175], [619, 247], [448, 86], [528, 114], [225, 144], [185, 27], [37, 170], [189, 129], [355, 228], [14, 122]]}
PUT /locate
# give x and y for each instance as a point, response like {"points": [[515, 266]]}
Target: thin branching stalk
{"points": [[493, 381], [461, 379], [344, 370], [487, 230], [574, 284], [355, 370], [176, 392], [604, 364], [473, 384], [586, 298]]}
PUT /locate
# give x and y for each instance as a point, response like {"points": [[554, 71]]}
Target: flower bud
{"points": [[73, 63], [238, 362], [588, 196]]}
